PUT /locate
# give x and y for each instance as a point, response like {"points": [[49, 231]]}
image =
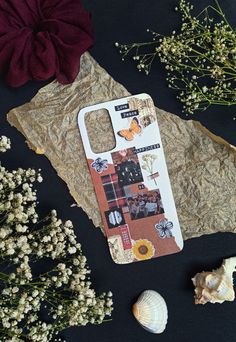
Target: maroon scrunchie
{"points": [[42, 38]]}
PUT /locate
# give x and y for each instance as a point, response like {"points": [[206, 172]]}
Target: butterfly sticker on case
{"points": [[128, 134]]}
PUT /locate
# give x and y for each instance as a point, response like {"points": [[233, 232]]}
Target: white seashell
{"points": [[215, 286], [150, 310]]}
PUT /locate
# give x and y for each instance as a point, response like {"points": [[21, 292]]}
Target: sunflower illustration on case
{"points": [[143, 249], [135, 128]]}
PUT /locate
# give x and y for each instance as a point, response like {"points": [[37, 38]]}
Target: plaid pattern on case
{"points": [[114, 193]]}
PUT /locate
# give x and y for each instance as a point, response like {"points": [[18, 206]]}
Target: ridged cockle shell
{"points": [[150, 310]]}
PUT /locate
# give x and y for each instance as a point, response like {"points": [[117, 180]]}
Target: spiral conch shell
{"points": [[215, 286], [150, 310]]}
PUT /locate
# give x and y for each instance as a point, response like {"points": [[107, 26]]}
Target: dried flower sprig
{"points": [[63, 292], [200, 58], [148, 163]]}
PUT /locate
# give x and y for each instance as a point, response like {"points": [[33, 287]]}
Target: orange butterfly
{"points": [[128, 134]]}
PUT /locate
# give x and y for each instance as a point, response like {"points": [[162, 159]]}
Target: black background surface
{"points": [[127, 21]]}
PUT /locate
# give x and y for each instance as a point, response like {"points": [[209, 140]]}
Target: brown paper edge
{"points": [[215, 137]]}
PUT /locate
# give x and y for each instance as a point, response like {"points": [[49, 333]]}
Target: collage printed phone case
{"points": [[132, 184]]}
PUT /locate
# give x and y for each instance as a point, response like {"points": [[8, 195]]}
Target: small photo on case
{"points": [[127, 166], [144, 204]]}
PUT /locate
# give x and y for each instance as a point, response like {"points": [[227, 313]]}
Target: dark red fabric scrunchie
{"points": [[42, 38]]}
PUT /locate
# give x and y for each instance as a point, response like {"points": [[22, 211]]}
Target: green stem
{"points": [[222, 14]]}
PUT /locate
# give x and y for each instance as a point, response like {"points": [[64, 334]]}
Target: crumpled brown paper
{"points": [[201, 166]]}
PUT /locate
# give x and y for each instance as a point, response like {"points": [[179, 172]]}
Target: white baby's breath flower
{"points": [[22, 245], [72, 250], [5, 143], [199, 58]]}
